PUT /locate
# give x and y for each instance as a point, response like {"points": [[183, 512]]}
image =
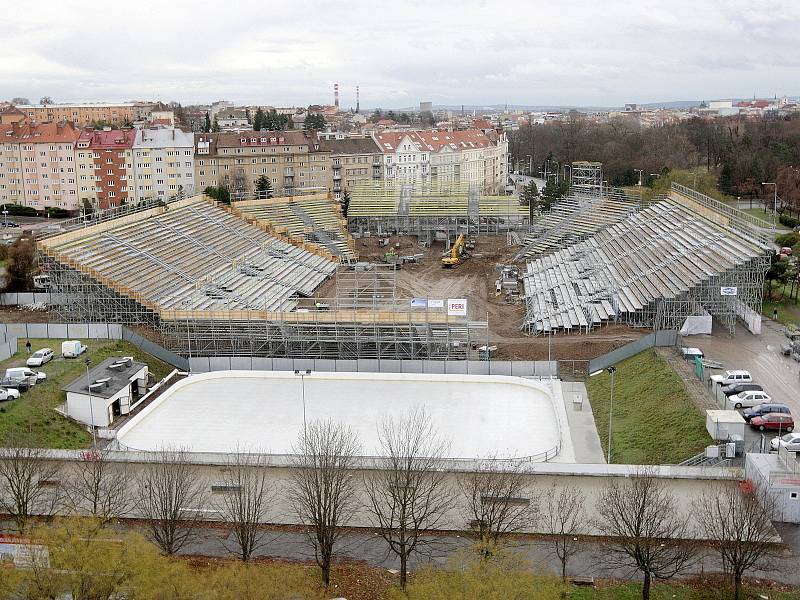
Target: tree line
{"points": [[744, 152], [407, 495]]}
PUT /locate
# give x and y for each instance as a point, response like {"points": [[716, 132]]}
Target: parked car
{"points": [[748, 399], [8, 394], [72, 349], [765, 409], [736, 388], [790, 441], [780, 421], [732, 377], [25, 373], [38, 358], [11, 383], [8, 224]]}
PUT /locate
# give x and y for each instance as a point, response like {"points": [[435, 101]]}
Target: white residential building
{"points": [[163, 162], [471, 156]]}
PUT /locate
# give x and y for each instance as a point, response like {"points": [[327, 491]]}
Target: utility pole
{"points": [[774, 202], [302, 375]]}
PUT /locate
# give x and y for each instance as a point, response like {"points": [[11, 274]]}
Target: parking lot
{"points": [[761, 355]]}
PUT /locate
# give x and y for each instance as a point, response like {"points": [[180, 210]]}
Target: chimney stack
{"points": [[336, 95], [358, 101]]}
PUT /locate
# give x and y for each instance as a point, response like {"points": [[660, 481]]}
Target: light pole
{"points": [[640, 175], [774, 200], [88, 363], [611, 370], [302, 375], [5, 216]]}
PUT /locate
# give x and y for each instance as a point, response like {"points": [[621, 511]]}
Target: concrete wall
{"points": [[518, 368], [655, 339], [80, 331], [685, 483], [17, 298]]}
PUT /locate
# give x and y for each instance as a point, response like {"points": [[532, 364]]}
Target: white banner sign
{"points": [[419, 303], [728, 291], [435, 303], [457, 307]]}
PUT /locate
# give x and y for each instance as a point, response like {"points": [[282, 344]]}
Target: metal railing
{"points": [[740, 222]]}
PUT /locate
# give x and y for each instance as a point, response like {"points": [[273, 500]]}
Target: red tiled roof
{"points": [[109, 140], [434, 141], [42, 133]]}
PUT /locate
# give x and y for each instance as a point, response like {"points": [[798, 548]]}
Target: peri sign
{"points": [[457, 307], [729, 291]]}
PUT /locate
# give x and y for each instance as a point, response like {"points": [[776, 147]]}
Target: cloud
{"points": [[452, 52]]}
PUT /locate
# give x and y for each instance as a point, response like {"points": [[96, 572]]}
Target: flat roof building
{"points": [[107, 391]]}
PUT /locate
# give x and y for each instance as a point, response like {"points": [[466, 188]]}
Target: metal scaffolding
{"points": [[367, 322], [684, 255]]}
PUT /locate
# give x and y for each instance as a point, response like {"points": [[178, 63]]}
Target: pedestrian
{"points": [[774, 314], [28, 347]]}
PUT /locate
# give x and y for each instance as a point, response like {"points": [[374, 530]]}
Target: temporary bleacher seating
{"points": [[195, 255]]}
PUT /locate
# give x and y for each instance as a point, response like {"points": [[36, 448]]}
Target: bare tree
{"points": [[169, 495], [28, 483], [244, 499], [409, 494], [101, 486], [648, 532], [498, 502], [739, 527], [564, 518], [322, 491]]}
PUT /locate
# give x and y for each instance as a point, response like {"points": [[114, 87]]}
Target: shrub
{"points": [[787, 239], [789, 221]]}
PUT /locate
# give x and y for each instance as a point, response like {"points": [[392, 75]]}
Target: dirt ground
{"points": [[16, 314], [475, 281]]}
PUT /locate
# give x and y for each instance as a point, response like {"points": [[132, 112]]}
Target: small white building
{"points": [[725, 425], [108, 391], [778, 476]]}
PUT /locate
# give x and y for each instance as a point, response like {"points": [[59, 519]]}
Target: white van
{"points": [[25, 373], [72, 349], [732, 377]]}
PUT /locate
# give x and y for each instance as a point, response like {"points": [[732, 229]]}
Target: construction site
{"points": [[413, 272]]}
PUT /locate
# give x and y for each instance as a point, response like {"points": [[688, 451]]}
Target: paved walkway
{"points": [[585, 440]]}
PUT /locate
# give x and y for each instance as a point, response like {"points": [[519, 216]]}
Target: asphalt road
{"points": [[370, 548]]}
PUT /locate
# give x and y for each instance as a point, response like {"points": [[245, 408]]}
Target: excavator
{"points": [[456, 250]]}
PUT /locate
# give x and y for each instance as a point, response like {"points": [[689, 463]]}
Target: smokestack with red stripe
{"points": [[336, 95]]}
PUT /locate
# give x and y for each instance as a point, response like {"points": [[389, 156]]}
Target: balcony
{"points": [[337, 176]]}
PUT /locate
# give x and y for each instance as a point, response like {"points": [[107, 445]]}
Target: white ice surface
{"points": [[263, 411]]}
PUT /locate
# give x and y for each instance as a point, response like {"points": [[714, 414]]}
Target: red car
{"points": [[779, 421]]}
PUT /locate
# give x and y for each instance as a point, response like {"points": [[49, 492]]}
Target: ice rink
{"points": [[259, 411]]}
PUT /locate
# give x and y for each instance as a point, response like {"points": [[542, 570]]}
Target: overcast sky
{"points": [[599, 53]]}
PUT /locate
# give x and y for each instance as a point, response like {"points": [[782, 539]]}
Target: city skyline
{"points": [[475, 53]]}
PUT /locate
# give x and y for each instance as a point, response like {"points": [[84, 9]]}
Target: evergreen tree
{"points": [[258, 120], [220, 194], [314, 121], [552, 192], [725, 183], [264, 187], [530, 196], [215, 126], [207, 127], [345, 202]]}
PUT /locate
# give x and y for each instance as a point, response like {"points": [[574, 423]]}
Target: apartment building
{"points": [[163, 162], [471, 156], [292, 160], [37, 165], [105, 166], [354, 161], [84, 114]]}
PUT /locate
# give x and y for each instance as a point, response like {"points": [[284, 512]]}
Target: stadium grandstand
{"points": [[426, 209], [207, 282], [574, 218], [654, 268], [315, 218]]}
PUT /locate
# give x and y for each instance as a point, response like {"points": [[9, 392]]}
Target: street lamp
{"points": [[88, 363], [302, 375], [5, 216], [774, 201], [610, 370], [640, 175]]}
